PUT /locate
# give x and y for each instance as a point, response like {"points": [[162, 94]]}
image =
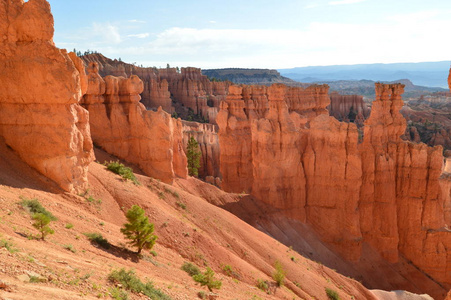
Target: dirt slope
{"points": [[201, 233]]}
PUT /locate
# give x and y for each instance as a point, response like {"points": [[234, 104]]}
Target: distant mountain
{"points": [[366, 88], [248, 76], [432, 74]]}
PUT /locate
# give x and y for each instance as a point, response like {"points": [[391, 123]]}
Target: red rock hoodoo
{"points": [[386, 192], [40, 89], [170, 88], [122, 126]]}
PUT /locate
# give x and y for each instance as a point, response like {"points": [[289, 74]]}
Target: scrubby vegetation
{"points": [[129, 281], [279, 274], [333, 295], [263, 285], [190, 268], [34, 207], [98, 239], [123, 171], [8, 245], [207, 279]]}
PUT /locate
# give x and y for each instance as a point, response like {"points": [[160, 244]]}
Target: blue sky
{"points": [[256, 34]]}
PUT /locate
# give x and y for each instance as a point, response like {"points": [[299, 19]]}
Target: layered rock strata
{"points": [[383, 191], [122, 126], [40, 89]]}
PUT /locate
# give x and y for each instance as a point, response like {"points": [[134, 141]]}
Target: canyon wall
{"points": [[348, 108], [174, 89], [122, 126], [40, 89], [206, 136], [384, 191]]}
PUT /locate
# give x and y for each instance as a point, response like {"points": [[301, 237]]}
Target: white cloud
{"points": [[137, 21], [105, 32], [212, 22], [139, 35], [341, 2], [397, 38]]}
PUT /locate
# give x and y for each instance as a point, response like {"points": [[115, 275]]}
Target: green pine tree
{"points": [[138, 229], [193, 156], [41, 223]]}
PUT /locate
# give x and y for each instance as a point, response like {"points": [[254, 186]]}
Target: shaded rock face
{"points": [[348, 108], [40, 89], [169, 88], [386, 192], [122, 126], [206, 136]]}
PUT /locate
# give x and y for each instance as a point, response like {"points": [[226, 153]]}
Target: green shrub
{"points": [[208, 280], [138, 229], [333, 295], [8, 245], [181, 205], [69, 226], [279, 274], [229, 271], [190, 268], [37, 279], [41, 223], [35, 207], [123, 171], [98, 239], [91, 199], [118, 294], [70, 248], [131, 282], [263, 285]]}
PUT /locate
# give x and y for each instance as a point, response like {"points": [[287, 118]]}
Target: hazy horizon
{"points": [[256, 34]]}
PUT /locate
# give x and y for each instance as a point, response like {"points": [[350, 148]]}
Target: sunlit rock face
{"points": [[122, 126], [279, 144], [40, 89]]}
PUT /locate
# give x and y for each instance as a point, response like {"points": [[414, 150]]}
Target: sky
{"points": [[256, 34]]}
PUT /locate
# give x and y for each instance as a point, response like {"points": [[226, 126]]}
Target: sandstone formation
{"points": [[122, 126], [206, 136], [247, 104], [383, 191], [173, 89], [348, 108], [40, 89]]}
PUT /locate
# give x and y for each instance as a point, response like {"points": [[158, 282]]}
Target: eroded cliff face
{"points": [[348, 108], [386, 192], [40, 89], [206, 136], [170, 88], [122, 126]]}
